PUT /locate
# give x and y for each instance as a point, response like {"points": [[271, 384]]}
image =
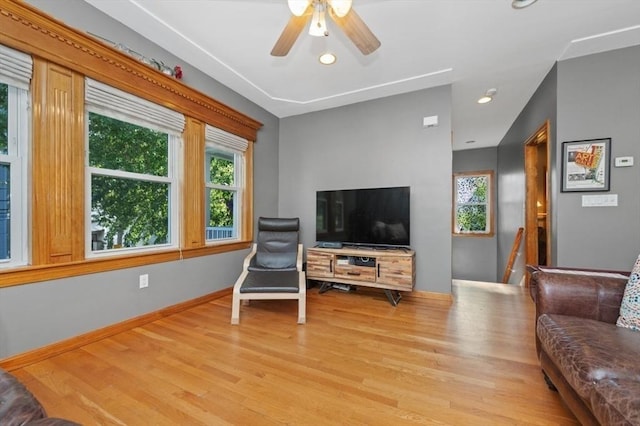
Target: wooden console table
{"points": [[392, 270]]}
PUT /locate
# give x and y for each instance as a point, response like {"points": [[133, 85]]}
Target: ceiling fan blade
{"points": [[290, 33], [357, 31]]}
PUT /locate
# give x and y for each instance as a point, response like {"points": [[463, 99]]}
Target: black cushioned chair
{"points": [[273, 268]]}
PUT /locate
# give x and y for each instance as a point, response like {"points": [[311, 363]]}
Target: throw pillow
{"points": [[630, 307]]}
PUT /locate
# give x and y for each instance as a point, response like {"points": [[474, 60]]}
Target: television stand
{"points": [[392, 270]]}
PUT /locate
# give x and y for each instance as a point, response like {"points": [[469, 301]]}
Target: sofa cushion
{"points": [[630, 307], [586, 351], [615, 402]]}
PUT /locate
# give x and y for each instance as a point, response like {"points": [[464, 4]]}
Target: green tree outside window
{"points": [[221, 194], [472, 213], [4, 118], [5, 173], [130, 206]]}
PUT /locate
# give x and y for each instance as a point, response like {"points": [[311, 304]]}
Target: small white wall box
{"points": [[600, 200], [624, 161], [430, 121]]}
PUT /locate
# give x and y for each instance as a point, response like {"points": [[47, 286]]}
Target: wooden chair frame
{"points": [[301, 295]]}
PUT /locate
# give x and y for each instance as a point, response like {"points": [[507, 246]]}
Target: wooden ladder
{"points": [[512, 255]]}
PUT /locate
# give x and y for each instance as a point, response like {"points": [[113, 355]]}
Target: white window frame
{"points": [[219, 140], [16, 71], [113, 103], [16, 158], [489, 229], [237, 188]]}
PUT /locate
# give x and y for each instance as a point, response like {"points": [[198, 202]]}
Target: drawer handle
{"points": [[353, 273]]}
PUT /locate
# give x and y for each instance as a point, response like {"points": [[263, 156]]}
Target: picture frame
{"points": [[586, 165]]}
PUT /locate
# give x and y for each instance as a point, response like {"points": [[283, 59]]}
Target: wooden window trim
{"points": [[39, 273], [25, 28], [491, 204], [65, 56]]}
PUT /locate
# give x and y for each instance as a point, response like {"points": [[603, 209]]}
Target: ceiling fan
{"points": [[342, 14]]}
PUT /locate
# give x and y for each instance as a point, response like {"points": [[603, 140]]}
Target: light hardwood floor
{"points": [[358, 360]]}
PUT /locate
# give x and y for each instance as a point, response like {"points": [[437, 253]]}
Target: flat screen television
{"points": [[369, 217]]}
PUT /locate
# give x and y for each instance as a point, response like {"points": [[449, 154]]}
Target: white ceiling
{"points": [[474, 45]]}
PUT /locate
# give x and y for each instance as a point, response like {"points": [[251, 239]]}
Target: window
{"points": [[131, 173], [472, 211], [224, 184], [47, 224], [15, 75]]}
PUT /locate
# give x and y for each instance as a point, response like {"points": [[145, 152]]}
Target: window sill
{"points": [[33, 274], [471, 234]]}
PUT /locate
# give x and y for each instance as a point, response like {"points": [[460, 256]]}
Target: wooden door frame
{"points": [[540, 136]]}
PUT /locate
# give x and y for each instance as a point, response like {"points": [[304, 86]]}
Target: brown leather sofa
{"points": [[593, 364], [19, 407]]}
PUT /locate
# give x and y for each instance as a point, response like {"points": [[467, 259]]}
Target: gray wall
{"points": [[590, 97], [474, 258], [377, 144], [599, 97], [511, 180], [34, 315]]}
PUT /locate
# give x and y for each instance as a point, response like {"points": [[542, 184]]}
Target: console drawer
{"points": [[356, 273]]}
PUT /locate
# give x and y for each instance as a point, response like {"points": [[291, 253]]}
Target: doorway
{"points": [[537, 200]]}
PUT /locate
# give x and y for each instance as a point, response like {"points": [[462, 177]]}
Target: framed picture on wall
{"points": [[586, 165]]}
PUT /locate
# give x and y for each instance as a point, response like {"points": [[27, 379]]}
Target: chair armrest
{"points": [[299, 258], [582, 293], [250, 256]]}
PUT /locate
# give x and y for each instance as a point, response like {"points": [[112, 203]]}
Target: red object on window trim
{"points": [[178, 72]]}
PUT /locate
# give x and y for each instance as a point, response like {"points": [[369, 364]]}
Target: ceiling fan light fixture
{"points": [[521, 4], [353, 27], [327, 58], [297, 7], [318, 27], [340, 7]]}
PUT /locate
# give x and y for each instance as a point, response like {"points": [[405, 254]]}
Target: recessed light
{"points": [[521, 4], [327, 58], [488, 96]]}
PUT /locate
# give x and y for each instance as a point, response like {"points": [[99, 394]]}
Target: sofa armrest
{"points": [[582, 293]]}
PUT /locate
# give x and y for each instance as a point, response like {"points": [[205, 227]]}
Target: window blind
{"points": [[225, 139], [15, 68], [115, 103]]}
